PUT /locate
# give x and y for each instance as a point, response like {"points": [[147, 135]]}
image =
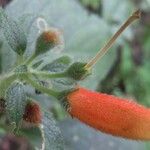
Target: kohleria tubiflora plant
{"points": [[106, 113]]}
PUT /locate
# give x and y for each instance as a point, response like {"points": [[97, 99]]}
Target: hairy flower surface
{"points": [[110, 114]]}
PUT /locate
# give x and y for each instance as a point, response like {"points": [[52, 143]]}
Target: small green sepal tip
{"points": [[77, 71]]}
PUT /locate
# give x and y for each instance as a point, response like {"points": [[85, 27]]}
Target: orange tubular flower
{"points": [[110, 114]]}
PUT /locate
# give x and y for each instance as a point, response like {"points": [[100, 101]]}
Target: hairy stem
{"points": [[30, 59], [5, 81], [19, 60], [40, 87], [48, 75]]}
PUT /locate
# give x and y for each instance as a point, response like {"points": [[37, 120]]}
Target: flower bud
{"points": [[77, 71], [46, 41], [110, 114], [32, 113]]}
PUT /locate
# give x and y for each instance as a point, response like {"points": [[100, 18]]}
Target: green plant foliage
{"points": [[63, 83], [26, 21], [15, 102], [34, 135], [37, 64], [136, 78], [58, 65], [93, 3], [51, 133], [0, 56], [81, 35], [13, 33], [5, 81]]}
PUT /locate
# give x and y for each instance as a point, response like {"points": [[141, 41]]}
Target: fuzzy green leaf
{"points": [[13, 33], [26, 21], [33, 134], [37, 64], [63, 84], [5, 81], [52, 137], [58, 65], [15, 102], [0, 56]]}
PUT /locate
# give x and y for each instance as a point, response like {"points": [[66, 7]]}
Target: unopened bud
{"points": [[77, 71], [46, 41], [32, 113]]}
